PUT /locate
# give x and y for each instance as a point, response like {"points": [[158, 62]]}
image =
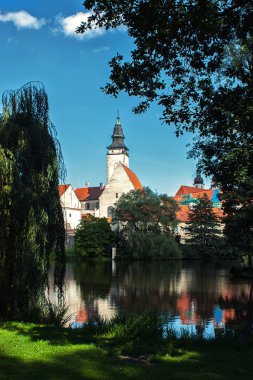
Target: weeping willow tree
{"points": [[31, 218]]}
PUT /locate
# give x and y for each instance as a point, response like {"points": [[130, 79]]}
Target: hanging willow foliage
{"points": [[31, 218]]}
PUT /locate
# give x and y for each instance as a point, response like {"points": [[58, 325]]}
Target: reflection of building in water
{"points": [[186, 309], [99, 307], [184, 281], [106, 308], [72, 293], [191, 295]]}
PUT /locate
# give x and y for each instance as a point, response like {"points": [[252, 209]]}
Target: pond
{"points": [[190, 295]]}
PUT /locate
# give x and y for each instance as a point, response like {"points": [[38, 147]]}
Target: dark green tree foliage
{"points": [[178, 44], [226, 147], [147, 221], [6, 185], [144, 210], [203, 226], [93, 236], [195, 58], [32, 223], [238, 227]]}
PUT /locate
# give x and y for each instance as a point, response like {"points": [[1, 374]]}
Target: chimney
{"points": [[101, 185], [86, 184]]}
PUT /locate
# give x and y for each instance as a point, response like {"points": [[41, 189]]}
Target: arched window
{"points": [[109, 212]]}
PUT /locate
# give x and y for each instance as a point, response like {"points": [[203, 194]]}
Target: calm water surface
{"points": [[192, 295]]}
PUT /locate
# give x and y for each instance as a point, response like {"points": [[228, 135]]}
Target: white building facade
{"points": [[71, 207], [98, 201]]}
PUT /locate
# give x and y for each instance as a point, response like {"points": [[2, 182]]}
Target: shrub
{"points": [[151, 245], [93, 236]]}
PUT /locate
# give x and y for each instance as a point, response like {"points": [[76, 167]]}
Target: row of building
{"points": [[99, 200]]}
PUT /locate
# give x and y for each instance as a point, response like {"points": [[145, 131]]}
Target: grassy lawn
{"points": [[29, 351]]}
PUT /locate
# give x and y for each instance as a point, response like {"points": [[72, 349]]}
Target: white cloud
{"points": [[68, 26], [22, 20]]}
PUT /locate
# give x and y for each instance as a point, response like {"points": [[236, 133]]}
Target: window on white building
{"points": [[109, 212]]}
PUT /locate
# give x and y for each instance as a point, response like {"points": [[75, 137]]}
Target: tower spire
{"points": [[198, 180], [118, 137], [117, 151]]}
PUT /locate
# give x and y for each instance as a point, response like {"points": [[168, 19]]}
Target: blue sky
{"points": [[38, 43]]}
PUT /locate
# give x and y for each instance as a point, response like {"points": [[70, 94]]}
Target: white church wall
{"points": [[118, 184], [114, 159]]}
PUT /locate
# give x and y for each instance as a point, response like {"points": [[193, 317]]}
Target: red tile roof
{"points": [[133, 178], [89, 193], [197, 194], [218, 212], [200, 194], [62, 189], [182, 214], [189, 190]]}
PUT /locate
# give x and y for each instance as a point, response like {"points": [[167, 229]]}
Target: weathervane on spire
{"points": [[118, 119]]}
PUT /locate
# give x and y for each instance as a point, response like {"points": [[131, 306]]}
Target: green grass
{"points": [[30, 351]]}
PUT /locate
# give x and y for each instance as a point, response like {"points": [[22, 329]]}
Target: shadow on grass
{"points": [[22, 358], [44, 352], [94, 364], [80, 364], [53, 335], [113, 345]]}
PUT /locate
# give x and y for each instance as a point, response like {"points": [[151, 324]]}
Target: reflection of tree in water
{"points": [[241, 317], [94, 279], [166, 286], [145, 285], [190, 291]]}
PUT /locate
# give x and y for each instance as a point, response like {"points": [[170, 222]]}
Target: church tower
{"points": [[198, 180], [117, 151]]}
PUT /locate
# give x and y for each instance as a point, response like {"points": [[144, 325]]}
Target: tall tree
{"points": [[195, 58], [143, 210], [147, 223], [30, 163], [203, 226]]}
